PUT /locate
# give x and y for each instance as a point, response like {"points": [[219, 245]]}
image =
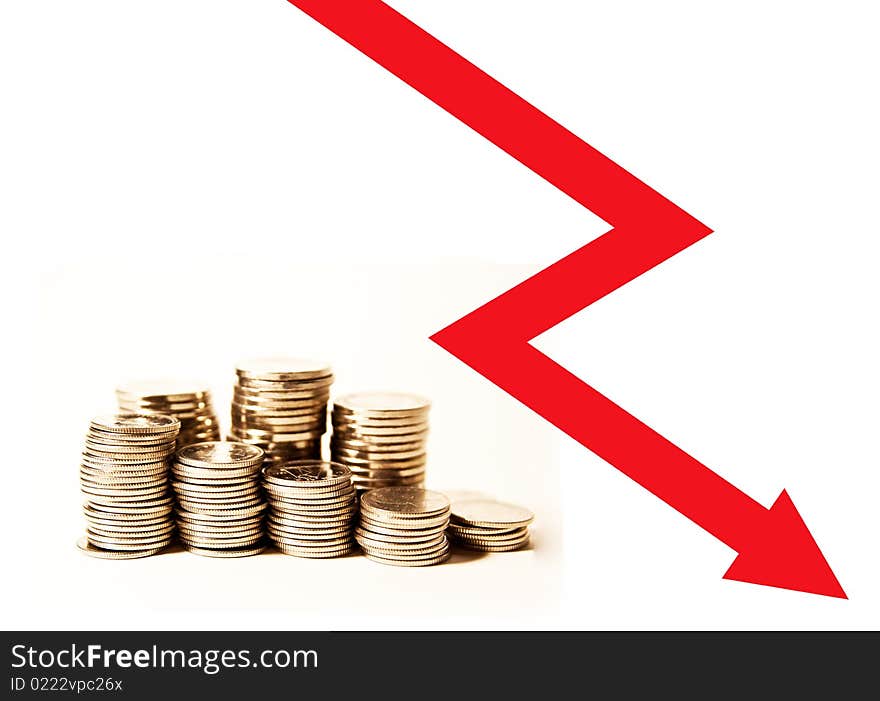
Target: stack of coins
{"points": [[187, 401], [124, 477], [404, 526], [489, 526], [219, 502], [280, 404], [381, 437], [312, 508]]}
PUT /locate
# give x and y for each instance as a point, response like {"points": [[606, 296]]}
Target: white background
{"points": [[185, 183]]}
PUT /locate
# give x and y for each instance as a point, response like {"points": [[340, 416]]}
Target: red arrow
{"points": [[774, 545]]}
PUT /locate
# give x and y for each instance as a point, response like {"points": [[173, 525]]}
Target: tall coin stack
{"points": [[312, 508], [219, 502], [404, 526], [489, 526], [124, 477], [280, 404], [186, 401], [381, 437]]}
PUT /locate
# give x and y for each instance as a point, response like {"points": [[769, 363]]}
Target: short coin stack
{"points": [[313, 508], [489, 526], [189, 402], [280, 404], [219, 502], [404, 526], [124, 477], [381, 437]]}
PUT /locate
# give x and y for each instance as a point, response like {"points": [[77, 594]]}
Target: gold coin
{"points": [[420, 562], [136, 424], [382, 404], [282, 368], [85, 546], [493, 548], [127, 531], [128, 544], [491, 514], [126, 514], [406, 529], [245, 551], [479, 531], [223, 543], [316, 552], [220, 454]]}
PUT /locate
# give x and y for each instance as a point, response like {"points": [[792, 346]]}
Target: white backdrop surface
{"points": [[187, 183]]}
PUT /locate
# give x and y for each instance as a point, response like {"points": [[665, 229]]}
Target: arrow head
{"points": [[782, 553]]}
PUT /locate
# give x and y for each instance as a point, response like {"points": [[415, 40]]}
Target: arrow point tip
{"points": [[782, 553]]}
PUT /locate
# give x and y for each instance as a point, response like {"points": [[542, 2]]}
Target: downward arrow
{"points": [[774, 545]]}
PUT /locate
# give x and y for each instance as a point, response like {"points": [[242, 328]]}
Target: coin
{"points": [[406, 424], [220, 454], [228, 520], [327, 523], [133, 515], [316, 493], [125, 530], [273, 406], [307, 533], [137, 424], [215, 490], [110, 479], [130, 460], [220, 476], [93, 551], [514, 539], [492, 548], [202, 541], [308, 474], [491, 514], [403, 526], [371, 456], [245, 551], [409, 538], [256, 512], [397, 546], [144, 522], [348, 437], [124, 490], [479, 531], [129, 544], [321, 498], [298, 397], [185, 473], [441, 557], [382, 404], [317, 387], [282, 368], [405, 502], [317, 553], [228, 533], [257, 435], [99, 446], [331, 541]]}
